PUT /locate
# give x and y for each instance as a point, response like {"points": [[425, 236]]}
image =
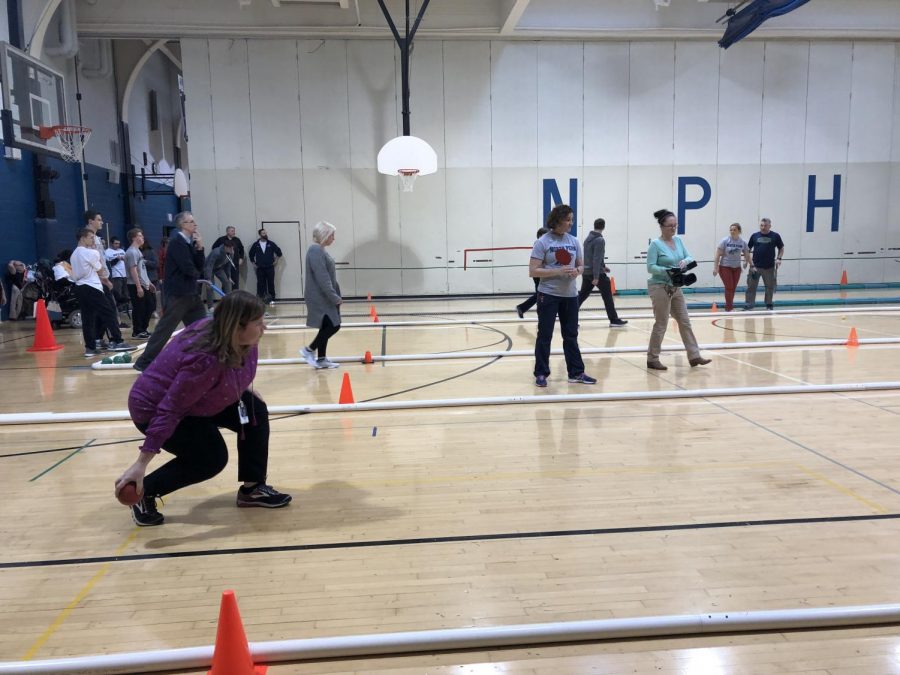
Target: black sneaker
{"points": [[520, 312], [770, 307], [618, 323], [91, 353], [138, 366], [121, 347], [145, 513], [262, 495]]}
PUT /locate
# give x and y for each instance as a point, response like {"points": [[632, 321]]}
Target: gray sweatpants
{"points": [[770, 281]]}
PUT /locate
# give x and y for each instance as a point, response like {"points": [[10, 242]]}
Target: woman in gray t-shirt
{"points": [[557, 261], [727, 262]]}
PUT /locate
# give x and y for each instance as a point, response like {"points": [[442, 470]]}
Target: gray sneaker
{"points": [[262, 495], [325, 363], [308, 354], [121, 347]]}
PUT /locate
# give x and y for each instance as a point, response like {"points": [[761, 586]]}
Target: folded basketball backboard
{"points": [[33, 98]]}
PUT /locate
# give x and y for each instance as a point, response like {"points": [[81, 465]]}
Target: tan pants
{"points": [[668, 300]]}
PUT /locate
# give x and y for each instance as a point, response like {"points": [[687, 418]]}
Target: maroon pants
{"points": [[730, 278]]}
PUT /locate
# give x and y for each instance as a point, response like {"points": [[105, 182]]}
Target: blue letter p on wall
{"points": [[683, 204]]}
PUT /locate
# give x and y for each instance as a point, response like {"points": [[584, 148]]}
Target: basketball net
{"points": [[407, 178], [72, 140]]}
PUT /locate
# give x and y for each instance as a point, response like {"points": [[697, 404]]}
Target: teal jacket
{"points": [[661, 258]]}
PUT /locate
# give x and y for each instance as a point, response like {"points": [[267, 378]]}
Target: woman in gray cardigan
{"points": [[323, 296]]}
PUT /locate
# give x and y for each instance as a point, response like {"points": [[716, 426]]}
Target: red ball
{"points": [[128, 494]]}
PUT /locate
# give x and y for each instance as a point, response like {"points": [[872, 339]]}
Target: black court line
{"points": [[21, 337], [72, 447], [451, 540]]}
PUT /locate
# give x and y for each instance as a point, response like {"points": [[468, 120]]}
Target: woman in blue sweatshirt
{"points": [[666, 253]]}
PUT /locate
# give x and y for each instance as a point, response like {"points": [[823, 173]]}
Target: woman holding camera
{"points": [[664, 256]]}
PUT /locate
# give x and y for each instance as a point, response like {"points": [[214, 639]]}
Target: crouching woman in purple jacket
{"points": [[201, 382]]}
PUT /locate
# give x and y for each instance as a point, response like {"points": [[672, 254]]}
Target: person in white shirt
{"points": [[95, 309], [115, 258]]}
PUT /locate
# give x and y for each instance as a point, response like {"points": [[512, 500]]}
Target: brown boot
{"points": [[656, 365], [699, 361]]}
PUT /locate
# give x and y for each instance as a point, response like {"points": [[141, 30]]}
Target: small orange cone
{"points": [[43, 335], [853, 340], [369, 297], [346, 391], [232, 653], [368, 358], [714, 308], [373, 313], [612, 285], [844, 278]]}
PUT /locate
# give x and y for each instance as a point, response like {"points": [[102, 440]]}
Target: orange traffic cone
{"points": [[346, 391], [232, 653], [373, 313], [368, 358], [714, 308], [844, 278], [612, 285], [43, 335], [853, 340]]}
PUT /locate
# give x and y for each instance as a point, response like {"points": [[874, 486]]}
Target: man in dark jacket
{"points": [[595, 270], [184, 266], [264, 254], [238, 255]]}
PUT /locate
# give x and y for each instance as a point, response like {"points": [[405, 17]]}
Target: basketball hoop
{"points": [[407, 178], [408, 158], [72, 140]]}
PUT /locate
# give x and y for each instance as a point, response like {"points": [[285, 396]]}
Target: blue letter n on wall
{"points": [[683, 204], [553, 198], [812, 203]]}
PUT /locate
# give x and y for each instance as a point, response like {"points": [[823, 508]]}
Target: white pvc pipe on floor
{"points": [[108, 415], [491, 637], [586, 317], [441, 356]]}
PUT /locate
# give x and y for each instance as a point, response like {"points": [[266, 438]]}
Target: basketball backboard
{"points": [[33, 96]]}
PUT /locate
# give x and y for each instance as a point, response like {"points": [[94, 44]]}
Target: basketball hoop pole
{"points": [[405, 44]]}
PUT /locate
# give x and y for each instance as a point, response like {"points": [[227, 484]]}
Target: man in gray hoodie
{"points": [[595, 271]]}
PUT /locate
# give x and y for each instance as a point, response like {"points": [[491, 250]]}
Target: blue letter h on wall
{"points": [[812, 203]]}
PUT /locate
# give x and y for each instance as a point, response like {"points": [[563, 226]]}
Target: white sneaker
{"points": [[308, 354], [325, 363]]}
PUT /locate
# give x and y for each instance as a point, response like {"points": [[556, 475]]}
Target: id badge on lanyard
{"points": [[242, 412]]}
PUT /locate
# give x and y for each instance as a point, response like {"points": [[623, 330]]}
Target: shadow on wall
{"points": [[386, 267]]}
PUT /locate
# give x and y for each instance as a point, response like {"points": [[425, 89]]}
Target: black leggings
{"points": [[320, 344], [200, 451]]}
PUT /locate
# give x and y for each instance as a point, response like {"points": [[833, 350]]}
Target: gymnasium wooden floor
{"points": [[621, 509]]}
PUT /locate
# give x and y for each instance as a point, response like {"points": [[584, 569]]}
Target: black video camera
{"points": [[678, 276]]}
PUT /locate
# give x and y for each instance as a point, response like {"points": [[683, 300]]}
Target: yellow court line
{"points": [[844, 490], [82, 594]]}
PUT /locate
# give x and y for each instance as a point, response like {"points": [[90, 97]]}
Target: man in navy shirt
{"points": [[768, 249]]}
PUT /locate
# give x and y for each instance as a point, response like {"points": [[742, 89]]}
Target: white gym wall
{"points": [[288, 130]]}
